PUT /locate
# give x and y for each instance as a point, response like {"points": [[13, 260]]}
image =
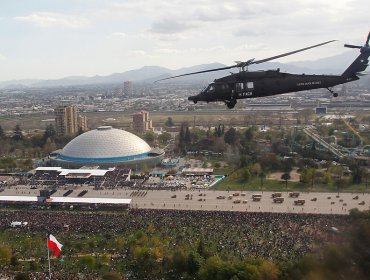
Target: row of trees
{"points": [[18, 148], [21, 145]]}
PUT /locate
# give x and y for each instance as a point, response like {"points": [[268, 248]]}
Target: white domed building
{"points": [[107, 147]]}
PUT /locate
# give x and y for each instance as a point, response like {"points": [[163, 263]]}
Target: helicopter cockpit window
{"points": [[211, 88], [250, 85]]}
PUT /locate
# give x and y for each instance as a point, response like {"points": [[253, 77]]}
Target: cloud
{"points": [[170, 26], [246, 32], [137, 52], [167, 51], [121, 35], [48, 19], [2, 57]]}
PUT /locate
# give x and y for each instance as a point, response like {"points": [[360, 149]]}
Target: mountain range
{"points": [[148, 74]]}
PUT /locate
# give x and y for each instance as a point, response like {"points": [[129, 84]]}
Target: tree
{"points": [[341, 183], [243, 161], [112, 276], [2, 133], [219, 130], [249, 134], [5, 255], [182, 133], [179, 260], [202, 249], [187, 137], [88, 262], [230, 136], [49, 132], [269, 270], [14, 260], [149, 137], [17, 134], [211, 269], [287, 164], [262, 176], [169, 122], [34, 266], [256, 169], [246, 175], [358, 173], [164, 137], [194, 262], [269, 162], [308, 176], [285, 176], [22, 276], [49, 146]]}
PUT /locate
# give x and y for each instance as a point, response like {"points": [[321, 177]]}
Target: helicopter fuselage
{"points": [[255, 84], [264, 83]]}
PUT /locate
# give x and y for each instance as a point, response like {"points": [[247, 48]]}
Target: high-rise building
{"points": [[141, 122], [128, 88], [82, 123], [68, 121]]}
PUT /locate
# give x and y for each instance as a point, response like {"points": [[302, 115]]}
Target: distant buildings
{"points": [[320, 110], [141, 122], [68, 121], [128, 88]]}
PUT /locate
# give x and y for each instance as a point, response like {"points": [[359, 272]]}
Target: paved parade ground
{"points": [[314, 202], [326, 203]]}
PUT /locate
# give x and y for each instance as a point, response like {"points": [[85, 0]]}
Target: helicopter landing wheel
{"points": [[195, 101], [230, 104], [331, 91]]}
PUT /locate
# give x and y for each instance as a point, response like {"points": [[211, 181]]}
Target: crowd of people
{"points": [[277, 236]]}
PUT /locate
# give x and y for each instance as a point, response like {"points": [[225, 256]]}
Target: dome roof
{"points": [[105, 142]]}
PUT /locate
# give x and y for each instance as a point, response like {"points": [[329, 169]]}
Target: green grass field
{"points": [[254, 184]]}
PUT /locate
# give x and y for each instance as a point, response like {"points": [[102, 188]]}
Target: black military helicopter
{"points": [[252, 84]]}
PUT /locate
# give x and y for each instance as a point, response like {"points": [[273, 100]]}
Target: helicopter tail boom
{"points": [[361, 62]]}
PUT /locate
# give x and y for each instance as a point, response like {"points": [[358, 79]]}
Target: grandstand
{"points": [[99, 178]]}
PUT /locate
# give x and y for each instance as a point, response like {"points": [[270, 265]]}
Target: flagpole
{"points": [[48, 259]]}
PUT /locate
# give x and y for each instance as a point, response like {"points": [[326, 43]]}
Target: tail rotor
{"points": [[359, 47]]}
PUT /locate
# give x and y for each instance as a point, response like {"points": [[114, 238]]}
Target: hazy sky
{"points": [[57, 38]]}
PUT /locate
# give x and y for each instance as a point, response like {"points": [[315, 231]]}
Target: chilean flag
{"points": [[54, 245]]}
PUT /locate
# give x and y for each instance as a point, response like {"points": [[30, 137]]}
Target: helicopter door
{"points": [[225, 88], [239, 87]]}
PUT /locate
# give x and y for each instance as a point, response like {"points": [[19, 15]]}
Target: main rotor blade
{"points": [[368, 39], [199, 72], [352, 46], [249, 62], [290, 53]]}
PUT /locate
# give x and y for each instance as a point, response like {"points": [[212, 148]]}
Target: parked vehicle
{"points": [[277, 194], [256, 197], [294, 194], [299, 202], [278, 199]]}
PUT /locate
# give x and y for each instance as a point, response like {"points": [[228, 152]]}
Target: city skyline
{"points": [[50, 40]]}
